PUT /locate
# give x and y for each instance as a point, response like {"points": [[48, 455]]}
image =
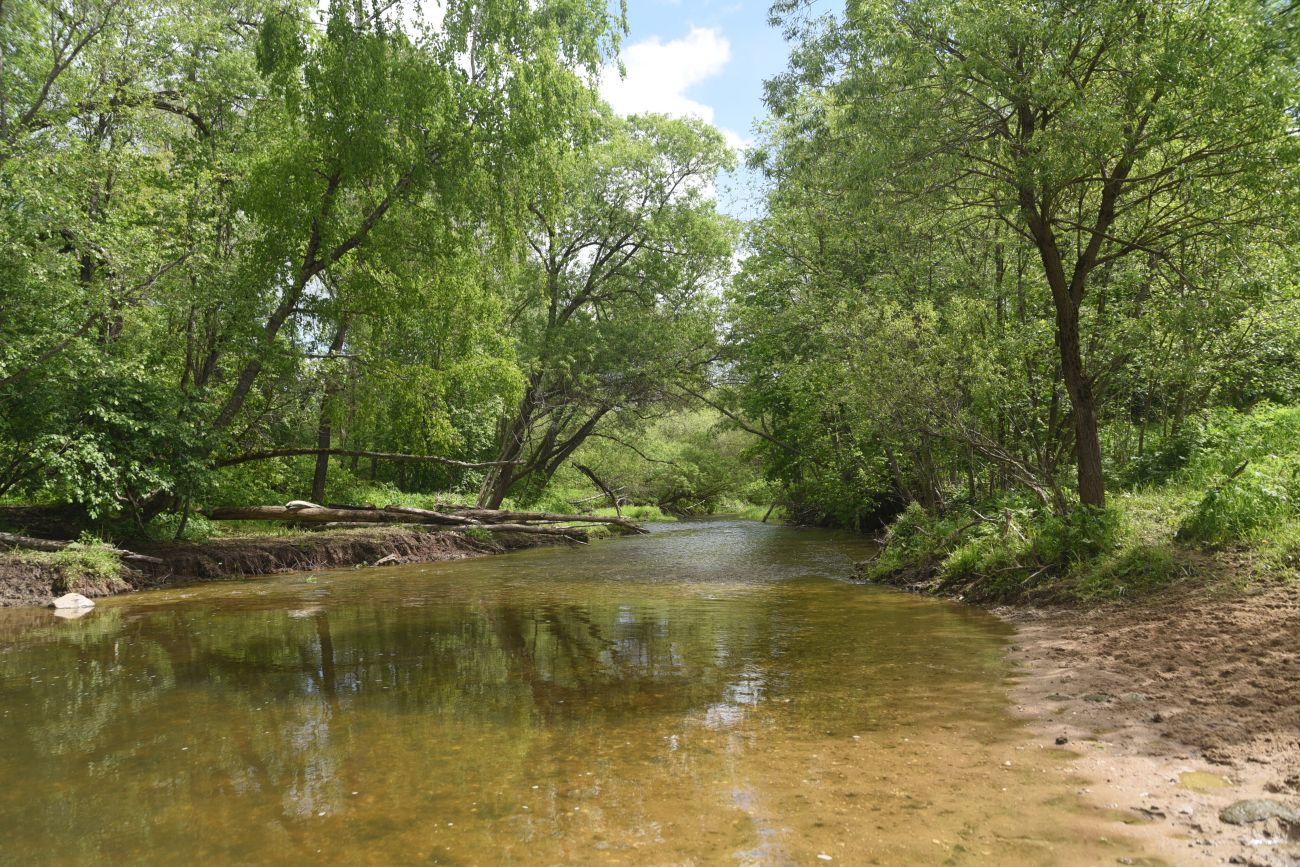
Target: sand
{"points": [[1172, 711]]}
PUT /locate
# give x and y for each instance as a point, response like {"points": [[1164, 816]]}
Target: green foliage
{"points": [[174, 526], [1086, 533], [1263, 495], [201, 197], [1137, 571], [1148, 539], [639, 513], [954, 189], [87, 565], [478, 534], [614, 304], [684, 462]]}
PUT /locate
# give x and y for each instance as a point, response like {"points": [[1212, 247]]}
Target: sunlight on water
{"points": [[706, 694]]}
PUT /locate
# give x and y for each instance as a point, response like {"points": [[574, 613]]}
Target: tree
{"points": [[613, 304], [1099, 132], [180, 184]]}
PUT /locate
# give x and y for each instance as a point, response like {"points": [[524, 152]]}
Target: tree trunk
{"points": [[613, 497], [499, 479], [325, 431], [1087, 441], [1067, 297]]}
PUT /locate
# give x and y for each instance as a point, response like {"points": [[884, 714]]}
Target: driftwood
{"points": [[494, 515], [496, 520], [13, 540], [429, 515]]}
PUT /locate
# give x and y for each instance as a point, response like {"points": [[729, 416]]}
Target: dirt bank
{"points": [[1173, 711], [30, 580]]}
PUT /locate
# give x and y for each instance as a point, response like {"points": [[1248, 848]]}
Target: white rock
{"points": [[72, 600]]}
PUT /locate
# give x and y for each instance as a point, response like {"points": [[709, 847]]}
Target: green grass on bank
{"points": [[88, 565], [1219, 505]]}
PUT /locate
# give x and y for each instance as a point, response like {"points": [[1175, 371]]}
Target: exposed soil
{"points": [[1172, 711], [27, 581]]}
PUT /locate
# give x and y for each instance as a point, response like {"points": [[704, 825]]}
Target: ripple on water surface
{"points": [[710, 693]]}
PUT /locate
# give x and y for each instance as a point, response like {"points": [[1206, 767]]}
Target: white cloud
{"points": [[659, 74]]}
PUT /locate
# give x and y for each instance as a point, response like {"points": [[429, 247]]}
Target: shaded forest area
{"points": [[1023, 290]]}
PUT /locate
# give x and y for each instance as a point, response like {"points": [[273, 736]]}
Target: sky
{"points": [[705, 59]]}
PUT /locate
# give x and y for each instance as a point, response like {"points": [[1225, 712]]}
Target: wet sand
{"points": [[1171, 712]]}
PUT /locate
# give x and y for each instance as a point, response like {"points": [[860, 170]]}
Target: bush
{"points": [[1259, 498], [163, 528], [88, 564], [1084, 534], [981, 556]]}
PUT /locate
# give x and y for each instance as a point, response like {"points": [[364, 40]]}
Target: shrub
{"points": [[1257, 498], [85, 564], [163, 528], [1086, 533]]}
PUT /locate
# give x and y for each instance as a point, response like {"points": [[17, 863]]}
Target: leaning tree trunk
{"points": [[499, 479]]}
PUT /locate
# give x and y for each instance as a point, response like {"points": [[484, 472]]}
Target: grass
{"points": [[87, 565], [637, 513]]}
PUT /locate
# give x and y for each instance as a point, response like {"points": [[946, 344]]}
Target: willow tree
{"points": [[1099, 132], [612, 307], [180, 181]]}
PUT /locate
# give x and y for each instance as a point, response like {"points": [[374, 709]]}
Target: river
{"points": [[712, 693]]}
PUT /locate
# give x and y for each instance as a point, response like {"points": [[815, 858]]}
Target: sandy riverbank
{"points": [[1172, 712]]}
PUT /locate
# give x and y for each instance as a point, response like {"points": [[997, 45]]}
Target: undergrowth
{"points": [[1220, 501]]}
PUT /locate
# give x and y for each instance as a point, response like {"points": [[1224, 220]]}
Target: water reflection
{"points": [[702, 695]]}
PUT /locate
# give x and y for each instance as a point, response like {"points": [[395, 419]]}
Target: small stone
{"points": [[1257, 810], [72, 600], [1062, 741]]}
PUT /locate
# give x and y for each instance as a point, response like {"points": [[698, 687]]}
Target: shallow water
{"points": [[708, 694]]}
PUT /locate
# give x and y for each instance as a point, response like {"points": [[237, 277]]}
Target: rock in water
{"points": [[72, 600], [1245, 812]]}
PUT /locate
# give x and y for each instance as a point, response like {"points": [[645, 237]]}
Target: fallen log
{"points": [[429, 514], [13, 540], [573, 533], [270, 454], [492, 515], [314, 515], [394, 514]]}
